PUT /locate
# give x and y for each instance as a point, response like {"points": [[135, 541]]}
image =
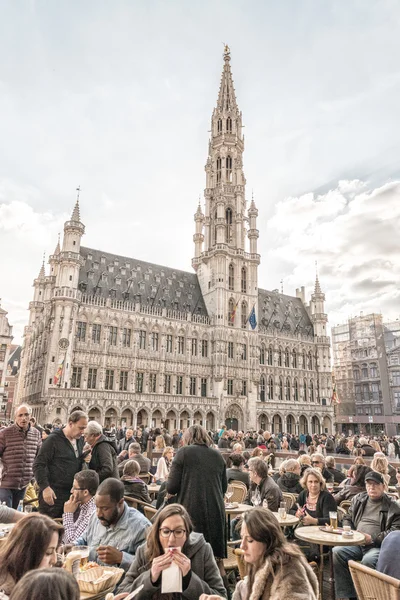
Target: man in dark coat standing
{"points": [[103, 457], [58, 461], [198, 478]]}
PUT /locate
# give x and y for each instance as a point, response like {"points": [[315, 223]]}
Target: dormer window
{"points": [[103, 260]]}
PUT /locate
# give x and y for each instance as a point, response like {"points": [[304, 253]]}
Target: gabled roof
{"points": [[128, 279], [282, 313]]}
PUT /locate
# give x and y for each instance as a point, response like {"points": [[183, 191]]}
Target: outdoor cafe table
{"points": [[314, 535], [289, 521], [153, 488], [235, 509]]}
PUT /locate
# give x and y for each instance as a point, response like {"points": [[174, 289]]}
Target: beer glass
{"points": [[333, 519]]}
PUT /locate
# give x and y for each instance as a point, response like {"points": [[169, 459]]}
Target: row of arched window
{"points": [[285, 390], [286, 358], [243, 279], [228, 125], [228, 169], [366, 371]]}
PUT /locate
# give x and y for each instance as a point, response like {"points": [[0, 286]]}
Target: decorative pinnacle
{"points": [[42, 273], [57, 250], [317, 289], [76, 214], [227, 52]]}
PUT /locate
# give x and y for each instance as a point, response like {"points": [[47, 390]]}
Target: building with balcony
{"points": [[144, 344]]}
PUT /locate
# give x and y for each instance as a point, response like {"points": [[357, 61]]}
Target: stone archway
{"points": [[94, 414], [290, 424], [197, 418], [171, 421], [315, 425], [156, 418], [142, 418], [303, 425], [184, 420], [126, 418], [327, 425], [263, 422], [277, 424], [234, 417], [110, 417], [210, 421]]}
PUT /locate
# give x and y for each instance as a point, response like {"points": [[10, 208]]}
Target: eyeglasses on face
{"points": [[316, 462], [177, 533], [74, 489]]}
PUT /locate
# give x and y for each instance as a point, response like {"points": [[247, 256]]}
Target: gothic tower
{"points": [[226, 258], [322, 343]]}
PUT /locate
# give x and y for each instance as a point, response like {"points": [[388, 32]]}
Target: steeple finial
{"points": [[317, 288], [227, 52], [75, 213], [226, 98], [57, 250], [42, 272]]}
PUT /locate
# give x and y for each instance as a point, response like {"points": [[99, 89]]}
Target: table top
{"points": [[290, 520], [313, 534], [153, 488], [239, 509], [99, 596]]}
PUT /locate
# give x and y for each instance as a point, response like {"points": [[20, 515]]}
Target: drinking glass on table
{"points": [[228, 495], [28, 508], [333, 519], [282, 511], [84, 550]]}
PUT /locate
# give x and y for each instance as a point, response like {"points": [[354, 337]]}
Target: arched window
{"points": [[280, 388], [270, 356], [262, 354], [295, 391], [244, 280], [287, 362], [219, 126], [231, 312], [262, 389], [304, 360], [311, 391], [228, 230], [287, 389], [305, 391], [310, 363], [294, 359], [231, 277], [270, 388], [364, 371], [228, 174], [279, 357], [229, 125], [219, 168], [244, 315]]}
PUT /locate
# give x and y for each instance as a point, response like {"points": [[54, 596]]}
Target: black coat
{"points": [[389, 515], [104, 459], [136, 489], [198, 477], [290, 483], [325, 504]]}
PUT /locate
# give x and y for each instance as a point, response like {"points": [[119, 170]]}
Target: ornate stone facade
{"points": [[139, 343]]}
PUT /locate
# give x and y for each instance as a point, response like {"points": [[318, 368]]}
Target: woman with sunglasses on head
{"points": [[171, 540]]}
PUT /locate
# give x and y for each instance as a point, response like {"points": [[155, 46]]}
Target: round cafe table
{"points": [[314, 535], [289, 521], [234, 509]]}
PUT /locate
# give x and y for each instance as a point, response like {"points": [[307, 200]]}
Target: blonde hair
{"points": [[167, 449], [317, 473], [159, 444], [304, 459]]}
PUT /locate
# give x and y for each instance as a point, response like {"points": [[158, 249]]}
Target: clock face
{"points": [[63, 343]]}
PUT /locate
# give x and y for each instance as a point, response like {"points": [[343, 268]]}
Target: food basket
{"points": [[87, 579]]}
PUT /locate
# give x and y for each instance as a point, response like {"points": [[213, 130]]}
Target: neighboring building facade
{"points": [[142, 344], [365, 351], [11, 381], [6, 338]]}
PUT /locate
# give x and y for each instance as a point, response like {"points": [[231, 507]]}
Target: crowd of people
{"points": [[77, 477]]}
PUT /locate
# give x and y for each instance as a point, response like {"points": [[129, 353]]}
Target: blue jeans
{"points": [[12, 497], [341, 555]]}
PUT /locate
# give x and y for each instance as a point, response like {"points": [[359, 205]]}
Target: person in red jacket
{"points": [[19, 445]]}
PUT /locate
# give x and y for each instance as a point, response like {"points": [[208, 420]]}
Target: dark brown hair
{"points": [[154, 547], [46, 584], [26, 545]]}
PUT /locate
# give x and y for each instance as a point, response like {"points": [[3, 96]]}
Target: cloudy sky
{"points": [[117, 97]]}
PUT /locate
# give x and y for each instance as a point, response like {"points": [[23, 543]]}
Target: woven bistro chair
{"points": [[345, 504], [149, 512], [290, 500], [371, 585], [239, 490]]}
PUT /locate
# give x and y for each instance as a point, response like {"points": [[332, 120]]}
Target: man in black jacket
{"points": [[374, 514], [59, 459], [103, 458]]}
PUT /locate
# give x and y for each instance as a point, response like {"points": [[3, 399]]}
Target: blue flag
{"points": [[252, 318]]}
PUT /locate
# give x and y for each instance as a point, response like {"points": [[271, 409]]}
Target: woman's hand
{"points": [[159, 565], [309, 520], [182, 561], [299, 513]]}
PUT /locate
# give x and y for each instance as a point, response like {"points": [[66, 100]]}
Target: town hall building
{"points": [[136, 343]]}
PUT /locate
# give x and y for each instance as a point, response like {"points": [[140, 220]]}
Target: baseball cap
{"points": [[374, 476]]}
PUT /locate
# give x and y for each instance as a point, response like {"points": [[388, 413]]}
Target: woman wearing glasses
{"points": [[171, 540]]}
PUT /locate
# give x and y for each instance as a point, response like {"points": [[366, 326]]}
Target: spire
{"points": [[226, 98], [42, 273], [75, 213], [317, 288], [252, 204], [199, 212], [57, 250]]}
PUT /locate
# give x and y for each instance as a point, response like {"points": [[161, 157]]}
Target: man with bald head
{"points": [[19, 445]]}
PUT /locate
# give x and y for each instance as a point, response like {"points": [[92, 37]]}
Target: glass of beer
{"points": [[84, 552], [333, 519], [282, 511]]}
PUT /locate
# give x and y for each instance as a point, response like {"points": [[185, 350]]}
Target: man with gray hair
{"points": [[19, 445], [58, 460], [134, 454], [103, 458]]}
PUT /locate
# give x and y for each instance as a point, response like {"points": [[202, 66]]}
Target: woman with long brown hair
{"points": [[171, 540], [32, 544], [56, 584]]}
